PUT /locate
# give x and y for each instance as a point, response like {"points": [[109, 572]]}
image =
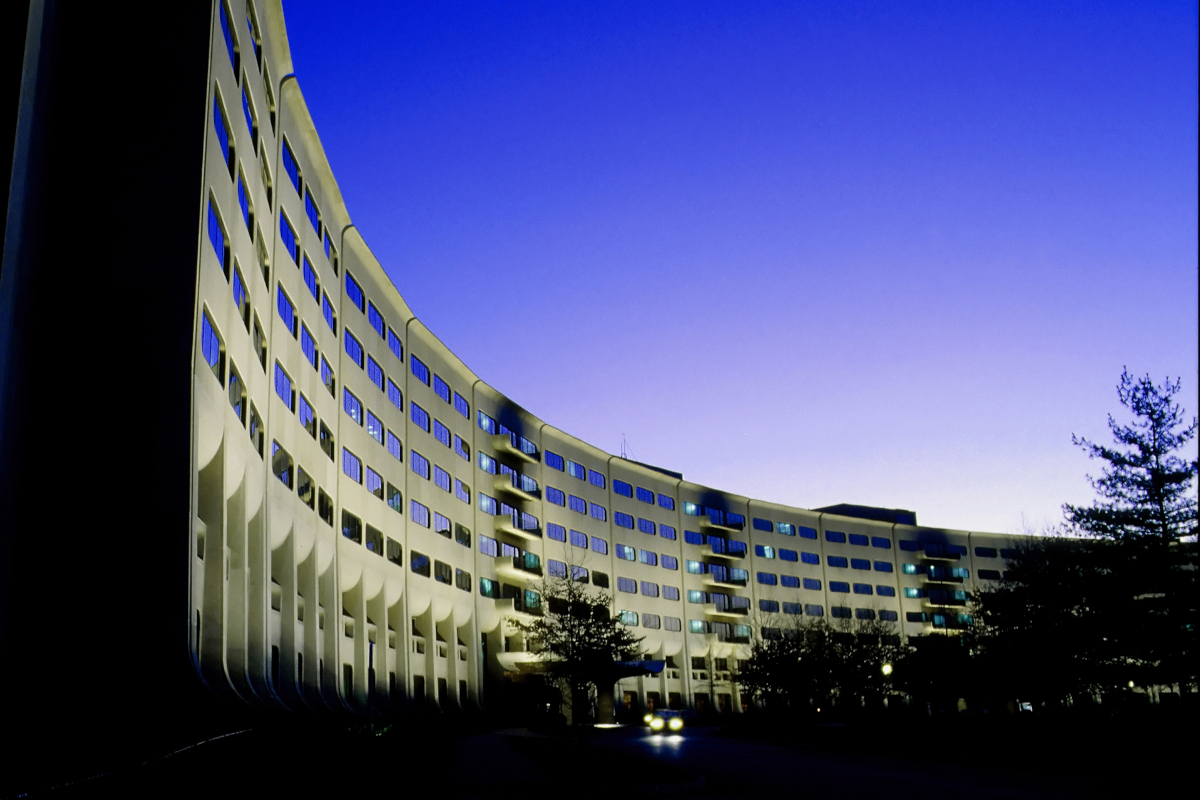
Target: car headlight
{"points": [[646, 719], [675, 724], [656, 724]]}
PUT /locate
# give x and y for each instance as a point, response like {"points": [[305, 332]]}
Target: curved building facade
{"points": [[369, 514]]}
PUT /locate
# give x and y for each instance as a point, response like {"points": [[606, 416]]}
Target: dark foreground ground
{"points": [[917, 758]]}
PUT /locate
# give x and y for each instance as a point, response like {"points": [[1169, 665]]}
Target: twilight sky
{"points": [[891, 254]]}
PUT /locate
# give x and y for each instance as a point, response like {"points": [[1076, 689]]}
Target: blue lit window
{"points": [[461, 448], [419, 370], [786, 528], [577, 504], [461, 406], [836, 561], [222, 133], [767, 578], [697, 596], [355, 293], [419, 464], [462, 491], [354, 349], [554, 460], [812, 584], [883, 566], [310, 208], [327, 311], [696, 567], [374, 483], [806, 533], [375, 372], [859, 539], [441, 388], [650, 589], [328, 246], [623, 520], [579, 539], [290, 166], [763, 524], [787, 555], [864, 613], [579, 574], [244, 201], [841, 587], [666, 502], [622, 488], [251, 125], [909, 546], [489, 547], [697, 626], [595, 478], [306, 414], [735, 520], [625, 552], [310, 280], [888, 616], [810, 558], [813, 610], [670, 593], [627, 585], [283, 388], [288, 234], [764, 551], [555, 496], [577, 470], [374, 427], [420, 515], [789, 581], [793, 608], [420, 417], [768, 605], [287, 310], [352, 466], [862, 588], [395, 395], [645, 526], [487, 504], [860, 563], [692, 509], [441, 479], [487, 463], [441, 432], [228, 34], [327, 377], [666, 531], [882, 542], [376, 320], [216, 235], [910, 569], [692, 537], [835, 536], [885, 591], [597, 512], [556, 569], [395, 446], [670, 562], [352, 405], [556, 532], [600, 545], [487, 424], [840, 612], [395, 345]]}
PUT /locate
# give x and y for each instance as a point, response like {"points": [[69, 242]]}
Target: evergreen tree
{"points": [[1146, 487]]}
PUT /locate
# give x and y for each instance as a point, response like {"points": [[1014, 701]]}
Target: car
{"points": [[664, 720]]}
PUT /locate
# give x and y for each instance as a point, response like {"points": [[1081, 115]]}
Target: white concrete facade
{"points": [[294, 604]]}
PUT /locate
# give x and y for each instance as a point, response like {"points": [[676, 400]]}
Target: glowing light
{"points": [[646, 719], [656, 724], [1131, 684], [675, 724], [887, 669]]}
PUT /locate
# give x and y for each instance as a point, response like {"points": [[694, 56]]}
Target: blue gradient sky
{"points": [[891, 254]]}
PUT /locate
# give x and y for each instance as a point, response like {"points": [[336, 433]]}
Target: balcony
{"points": [[517, 486], [717, 522], [522, 526], [939, 552], [517, 608], [516, 446], [713, 582], [707, 551], [725, 612], [518, 567]]}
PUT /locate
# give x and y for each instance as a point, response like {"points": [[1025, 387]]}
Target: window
{"points": [[989, 574], [577, 470], [793, 608], [327, 312], [786, 528], [281, 464], [787, 555], [488, 504], [672, 624], [326, 440], [858, 540], [354, 349], [461, 406], [649, 588], [882, 542], [555, 496], [290, 166], [863, 588], [355, 293], [835, 536], [985, 552], [352, 466], [696, 596], [463, 449], [419, 513], [308, 345], [670, 562], [441, 433], [352, 406], [840, 587], [395, 499], [888, 616], [645, 526], [486, 423], [462, 491], [909, 546], [489, 588], [1010, 553], [860, 563], [222, 130], [420, 416], [579, 539], [627, 585], [767, 578], [441, 479], [648, 557], [883, 566], [810, 558], [487, 463], [351, 527], [283, 388], [645, 495], [625, 552], [837, 561], [374, 483], [600, 546], [666, 502], [812, 584], [237, 395], [419, 464], [692, 537], [696, 567], [651, 621], [211, 348], [441, 388], [763, 525], [462, 580], [441, 524], [666, 532], [697, 626], [764, 551], [806, 533], [885, 591], [375, 372], [840, 612], [394, 343], [789, 581], [627, 617], [813, 610], [623, 520], [556, 532], [622, 488], [419, 563], [577, 504], [419, 370], [670, 592], [374, 427], [910, 569], [554, 461], [597, 512], [308, 417], [376, 320], [864, 613], [287, 310], [395, 396], [288, 234], [771, 606]]}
